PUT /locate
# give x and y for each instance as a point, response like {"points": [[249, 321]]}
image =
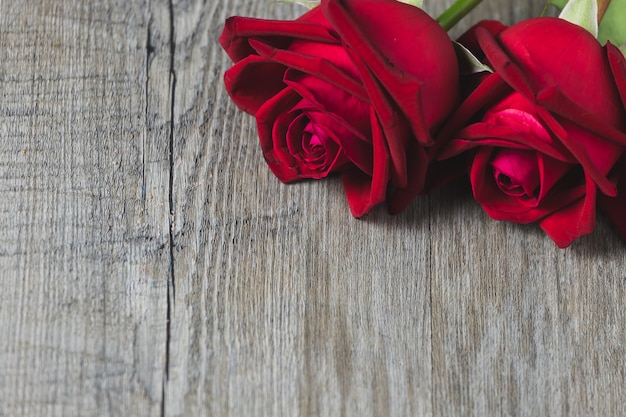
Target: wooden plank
{"points": [[84, 214], [534, 331], [152, 265]]}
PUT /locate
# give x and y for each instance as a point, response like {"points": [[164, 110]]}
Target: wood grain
{"points": [[151, 264]]}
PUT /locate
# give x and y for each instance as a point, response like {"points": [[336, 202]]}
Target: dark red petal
{"points": [[580, 153], [573, 221], [314, 65], [244, 88], [602, 153], [272, 127], [352, 112], [503, 64], [485, 134], [238, 30], [618, 68], [496, 130], [395, 127], [554, 100], [362, 191], [343, 116], [469, 39], [551, 171], [357, 151], [554, 53], [491, 90]]}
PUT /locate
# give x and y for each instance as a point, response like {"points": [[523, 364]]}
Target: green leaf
{"points": [[613, 25], [466, 56], [453, 14], [558, 3], [583, 13]]}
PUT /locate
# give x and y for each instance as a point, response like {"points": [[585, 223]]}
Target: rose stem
{"points": [[602, 6], [456, 12]]}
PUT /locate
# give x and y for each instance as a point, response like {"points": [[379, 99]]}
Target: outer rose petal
{"points": [[470, 41], [324, 65], [492, 89], [573, 221], [576, 49], [275, 151], [242, 83], [364, 192], [238, 30], [618, 67]]}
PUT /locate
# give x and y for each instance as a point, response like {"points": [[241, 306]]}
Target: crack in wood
{"points": [[171, 287]]}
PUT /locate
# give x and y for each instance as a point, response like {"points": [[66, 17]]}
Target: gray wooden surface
{"points": [[151, 265]]}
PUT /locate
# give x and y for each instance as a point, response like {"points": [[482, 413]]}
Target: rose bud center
{"points": [[310, 144], [516, 173]]}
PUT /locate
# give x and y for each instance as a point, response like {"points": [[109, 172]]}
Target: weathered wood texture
{"points": [[152, 265]]}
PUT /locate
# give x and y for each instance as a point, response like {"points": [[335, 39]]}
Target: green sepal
{"points": [[558, 3], [416, 3], [471, 62], [583, 13]]}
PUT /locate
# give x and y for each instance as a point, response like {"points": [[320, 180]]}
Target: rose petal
{"points": [[352, 148], [489, 91], [238, 30], [364, 192], [314, 65], [573, 221], [485, 134], [569, 139], [551, 171], [242, 84], [352, 112], [470, 41], [618, 68], [554, 100], [496, 204], [273, 119], [396, 129], [516, 172], [382, 41], [554, 53], [503, 64]]}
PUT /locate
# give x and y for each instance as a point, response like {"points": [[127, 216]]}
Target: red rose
{"points": [[353, 86], [546, 128]]}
